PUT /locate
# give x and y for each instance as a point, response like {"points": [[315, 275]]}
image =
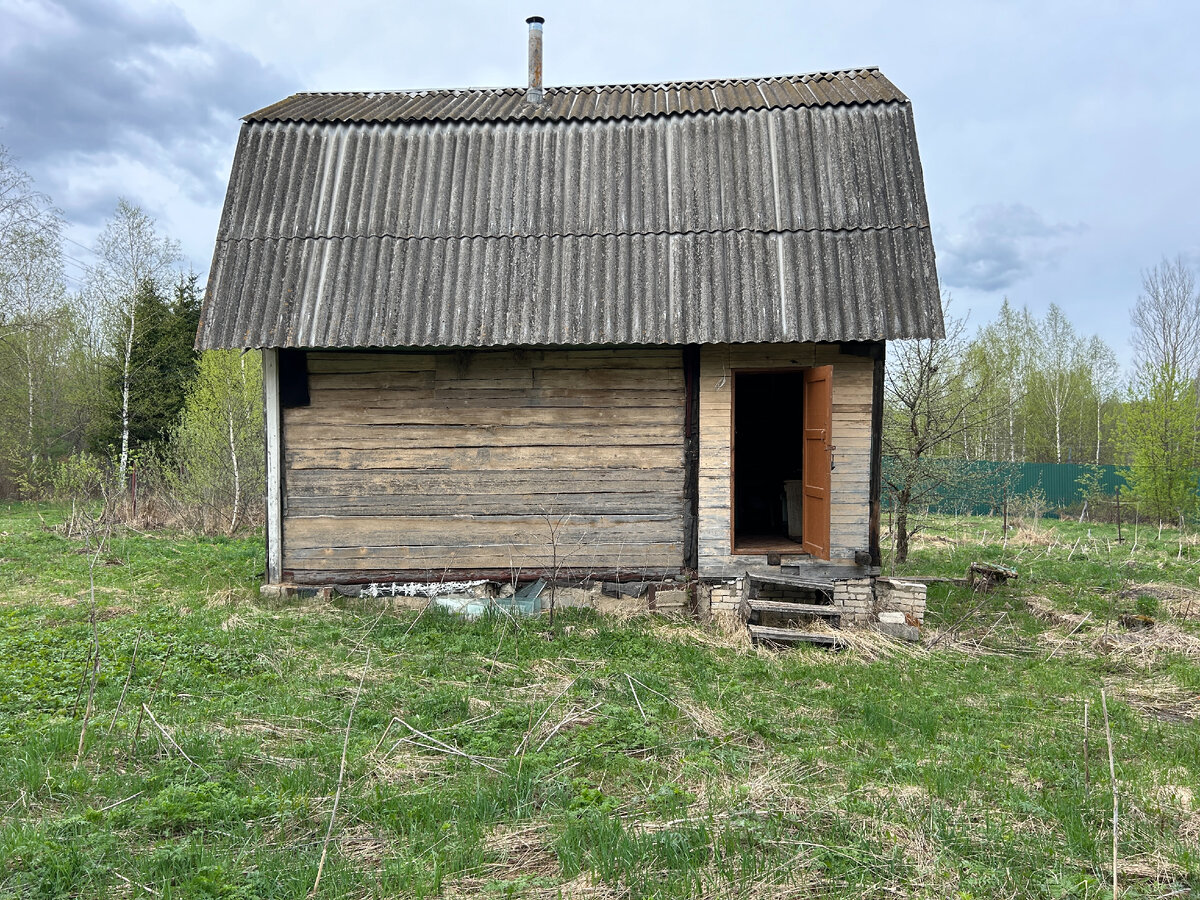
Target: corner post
{"points": [[876, 499], [271, 408]]}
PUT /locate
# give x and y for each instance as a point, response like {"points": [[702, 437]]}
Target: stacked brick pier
{"points": [[862, 602]]}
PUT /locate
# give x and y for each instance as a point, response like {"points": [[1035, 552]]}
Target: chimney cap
{"points": [[535, 20]]}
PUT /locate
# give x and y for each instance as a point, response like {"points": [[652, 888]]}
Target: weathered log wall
{"points": [[407, 464]]}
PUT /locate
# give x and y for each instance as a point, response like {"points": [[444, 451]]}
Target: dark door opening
{"points": [[768, 442]]}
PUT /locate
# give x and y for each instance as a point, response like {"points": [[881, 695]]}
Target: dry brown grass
{"points": [[727, 632], [1025, 535], [584, 886], [1145, 647], [524, 856], [524, 849], [926, 539], [1041, 608], [1160, 699], [365, 847], [1182, 602], [1150, 867], [407, 766]]}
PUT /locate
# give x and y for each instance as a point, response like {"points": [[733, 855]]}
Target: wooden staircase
{"points": [[774, 617]]}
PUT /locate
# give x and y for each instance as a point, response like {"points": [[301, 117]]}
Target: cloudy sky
{"points": [[1058, 138]]}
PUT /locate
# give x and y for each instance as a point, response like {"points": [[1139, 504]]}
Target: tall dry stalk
{"points": [[341, 777], [1112, 775], [95, 648]]}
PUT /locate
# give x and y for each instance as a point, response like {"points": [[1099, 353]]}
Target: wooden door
{"points": [[817, 463]]}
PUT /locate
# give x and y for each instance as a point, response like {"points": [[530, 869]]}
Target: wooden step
{"points": [[792, 636], [784, 608], [812, 584]]}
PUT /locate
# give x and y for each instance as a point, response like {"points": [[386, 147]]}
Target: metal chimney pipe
{"points": [[535, 92]]}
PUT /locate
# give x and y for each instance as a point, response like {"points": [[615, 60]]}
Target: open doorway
{"points": [[768, 442]]}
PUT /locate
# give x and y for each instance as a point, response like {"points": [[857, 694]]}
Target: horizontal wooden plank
{"points": [[733, 567], [855, 411], [515, 559], [500, 365], [321, 362], [405, 399], [470, 361], [544, 483], [516, 378], [367, 437], [482, 414], [364, 534], [787, 608], [374, 381], [625, 503], [479, 458], [617, 378], [792, 636], [323, 575]]}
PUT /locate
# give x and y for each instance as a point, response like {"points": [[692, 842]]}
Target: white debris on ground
{"points": [[418, 589]]}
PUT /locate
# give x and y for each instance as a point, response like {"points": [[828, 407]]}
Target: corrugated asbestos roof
{"points": [[787, 209], [587, 103]]}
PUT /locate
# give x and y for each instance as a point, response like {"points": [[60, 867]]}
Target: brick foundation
{"points": [[863, 600], [856, 597], [904, 597]]}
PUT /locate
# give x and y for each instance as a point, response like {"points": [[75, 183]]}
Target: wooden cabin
{"points": [[629, 331]]}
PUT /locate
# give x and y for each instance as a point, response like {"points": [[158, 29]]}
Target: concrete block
{"points": [[902, 631], [673, 602]]}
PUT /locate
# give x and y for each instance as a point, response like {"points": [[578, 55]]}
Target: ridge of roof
{"points": [[613, 86], [857, 86]]}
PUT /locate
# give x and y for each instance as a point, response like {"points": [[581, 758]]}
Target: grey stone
{"points": [[904, 632], [670, 601]]}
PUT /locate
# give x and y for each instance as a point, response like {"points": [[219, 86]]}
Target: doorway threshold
{"points": [[757, 545]]}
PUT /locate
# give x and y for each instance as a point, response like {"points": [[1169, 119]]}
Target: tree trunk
{"points": [[1012, 437], [125, 378], [902, 501], [29, 411], [237, 479]]}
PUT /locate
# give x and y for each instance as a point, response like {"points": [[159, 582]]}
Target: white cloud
{"points": [[93, 88], [993, 247]]}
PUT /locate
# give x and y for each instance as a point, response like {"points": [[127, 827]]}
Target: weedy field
{"points": [[237, 749]]}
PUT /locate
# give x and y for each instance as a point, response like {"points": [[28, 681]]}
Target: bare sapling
{"points": [[125, 688], [558, 559], [1087, 769], [554, 526], [337, 796], [1112, 776], [93, 560], [171, 739]]}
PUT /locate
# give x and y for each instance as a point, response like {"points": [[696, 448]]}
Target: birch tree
{"points": [[219, 443], [132, 256], [1160, 433], [28, 224], [1071, 377], [34, 293], [1000, 357], [1166, 319]]}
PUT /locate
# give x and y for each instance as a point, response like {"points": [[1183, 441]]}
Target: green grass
{"points": [[601, 758]]}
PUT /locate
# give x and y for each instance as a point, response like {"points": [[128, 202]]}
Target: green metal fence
{"points": [[1060, 481], [981, 487]]}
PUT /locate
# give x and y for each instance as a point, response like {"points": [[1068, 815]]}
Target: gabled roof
{"points": [[779, 209]]}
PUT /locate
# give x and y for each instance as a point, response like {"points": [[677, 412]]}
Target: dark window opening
{"points": [[293, 378], [768, 440]]}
